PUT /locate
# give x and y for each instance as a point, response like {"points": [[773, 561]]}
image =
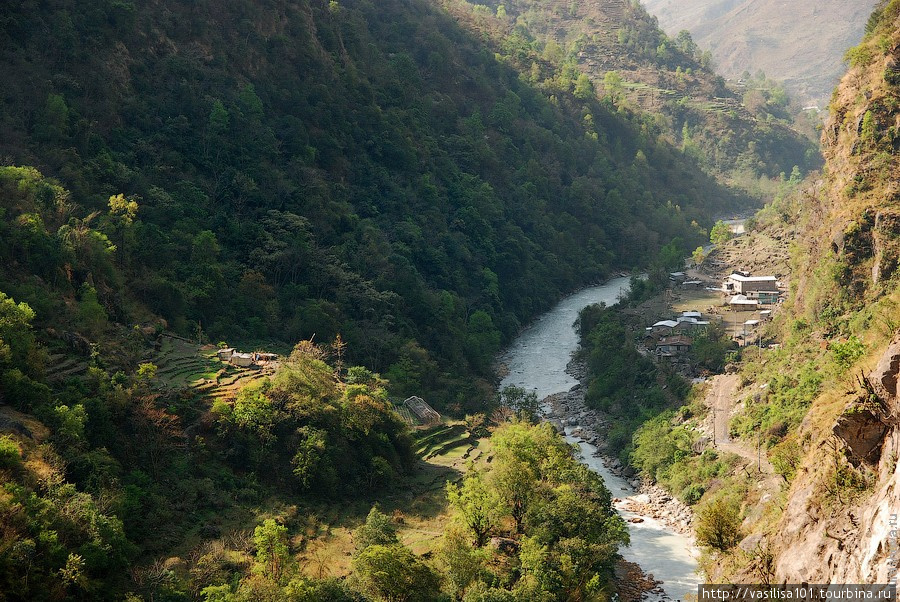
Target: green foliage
{"points": [[58, 542], [10, 455], [711, 347], [462, 564], [658, 445], [623, 383], [720, 233], [378, 529], [394, 574], [567, 532], [698, 255], [859, 56], [664, 452], [718, 524], [847, 352], [333, 438], [477, 504], [272, 553], [384, 222], [90, 312], [786, 457], [17, 343], [524, 405], [147, 371], [70, 424], [584, 87], [781, 406]]}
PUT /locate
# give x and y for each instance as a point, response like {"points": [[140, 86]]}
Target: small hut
{"points": [[242, 360]]}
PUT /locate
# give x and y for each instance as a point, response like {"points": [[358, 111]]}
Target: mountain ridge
{"points": [[802, 46]]}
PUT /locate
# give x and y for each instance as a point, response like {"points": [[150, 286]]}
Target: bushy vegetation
{"points": [[719, 524], [624, 384], [664, 450], [534, 524], [562, 531], [308, 428]]}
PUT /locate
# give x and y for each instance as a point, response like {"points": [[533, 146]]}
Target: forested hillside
{"points": [[745, 136], [313, 168], [179, 173], [380, 181]]}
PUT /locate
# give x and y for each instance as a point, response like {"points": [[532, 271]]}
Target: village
{"points": [[739, 305]]}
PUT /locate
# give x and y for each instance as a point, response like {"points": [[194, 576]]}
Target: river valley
{"points": [[537, 361]]}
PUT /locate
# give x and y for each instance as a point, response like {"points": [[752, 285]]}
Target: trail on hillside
{"points": [[721, 399]]}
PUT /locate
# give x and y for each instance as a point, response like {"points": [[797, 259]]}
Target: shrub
{"points": [[10, 456], [719, 525]]}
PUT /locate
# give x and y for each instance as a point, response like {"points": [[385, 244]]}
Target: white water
{"points": [[537, 362]]}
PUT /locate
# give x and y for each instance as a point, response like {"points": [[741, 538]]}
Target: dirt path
{"points": [[721, 400]]}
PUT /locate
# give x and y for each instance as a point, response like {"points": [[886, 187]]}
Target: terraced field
{"points": [[183, 364], [62, 366]]}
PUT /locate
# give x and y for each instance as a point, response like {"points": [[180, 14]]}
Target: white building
{"points": [[738, 284]]}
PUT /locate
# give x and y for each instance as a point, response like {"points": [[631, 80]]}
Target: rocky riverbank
{"points": [[568, 411], [633, 584]]}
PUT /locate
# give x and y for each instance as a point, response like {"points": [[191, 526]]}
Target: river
{"points": [[537, 362]]}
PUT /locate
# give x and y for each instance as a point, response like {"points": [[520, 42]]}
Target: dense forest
{"points": [[310, 168]]}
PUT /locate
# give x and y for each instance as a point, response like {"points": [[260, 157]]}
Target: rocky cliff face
{"points": [[850, 541]]}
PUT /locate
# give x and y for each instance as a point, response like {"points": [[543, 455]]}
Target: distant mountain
{"points": [[801, 43]]}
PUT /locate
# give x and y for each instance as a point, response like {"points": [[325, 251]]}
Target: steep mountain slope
{"points": [[830, 411], [312, 168], [638, 68], [799, 43]]}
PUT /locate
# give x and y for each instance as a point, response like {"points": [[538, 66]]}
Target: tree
{"points": [[394, 574], [16, 338], [671, 256], [719, 525], [524, 405], [720, 233], [271, 548], [378, 529], [122, 209], [90, 312], [476, 503], [482, 339], [613, 84], [584, 87], [53, 124], [685, 43], [463, 565], [324, 590], [698, 255]]}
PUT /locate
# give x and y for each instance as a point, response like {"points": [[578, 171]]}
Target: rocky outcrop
{"points": [[886, 243], [862, 430], [851, 542], [864, 425], [885, 375]]}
